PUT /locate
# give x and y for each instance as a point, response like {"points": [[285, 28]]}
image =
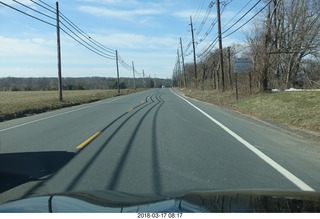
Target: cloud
{"points": [[136, 42], [117, 13], [26, 2], [113, 2], [184, 14], [26, 47]]}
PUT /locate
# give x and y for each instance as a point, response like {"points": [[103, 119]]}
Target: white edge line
{"points": [[60, 114], [295, 180]]}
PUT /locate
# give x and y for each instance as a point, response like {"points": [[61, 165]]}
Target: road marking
{"points": [[83, 144], [295, 180], [129, 110], [60, 114]]}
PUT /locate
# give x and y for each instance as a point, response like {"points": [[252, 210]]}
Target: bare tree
{"points": [[290, 33]]}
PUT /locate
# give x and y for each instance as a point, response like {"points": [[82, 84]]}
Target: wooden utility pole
{"points": [[134, 77], [144, 83], [118, 83], [183, 67], [194, 53], [59, 52], [229, 67], [220, 44], [179, 69]]}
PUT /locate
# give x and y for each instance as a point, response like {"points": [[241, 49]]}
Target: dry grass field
{"points": [[300, 109], [15, 104]]}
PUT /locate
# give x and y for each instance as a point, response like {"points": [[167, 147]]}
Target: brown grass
{"points": [[22, 103], [299, 109]]}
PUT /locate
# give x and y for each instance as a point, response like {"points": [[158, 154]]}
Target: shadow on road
{"points": [[20, 168], [137, 109], [116, 175]]}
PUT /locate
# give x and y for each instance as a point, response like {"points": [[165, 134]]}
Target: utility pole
{"points": [[183, 67], [134, 77], [179, 68], [229, 66], [144, 83], [194, 53], [220, 44], [118, 83], [59, 51]]}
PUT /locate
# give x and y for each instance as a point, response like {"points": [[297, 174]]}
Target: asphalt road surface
{"points": [[155, 142]]}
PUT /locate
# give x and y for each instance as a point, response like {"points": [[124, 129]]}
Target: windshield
{"points": [[158, 98]]}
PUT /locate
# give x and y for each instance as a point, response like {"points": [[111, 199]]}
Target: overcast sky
{"points": [[143, 31]]}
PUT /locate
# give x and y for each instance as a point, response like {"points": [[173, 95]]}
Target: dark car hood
{"points": [[208, 201]]}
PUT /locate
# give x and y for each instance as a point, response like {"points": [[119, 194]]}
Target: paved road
{"points": [[154, 142]]}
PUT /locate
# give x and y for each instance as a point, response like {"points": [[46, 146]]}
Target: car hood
{"points": [[197, 201]]}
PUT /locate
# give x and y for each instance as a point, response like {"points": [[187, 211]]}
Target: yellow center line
{"points": [[83, 144]]}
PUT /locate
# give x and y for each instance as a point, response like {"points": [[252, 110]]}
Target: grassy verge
{"points": [[299, 109], [22, 103]]}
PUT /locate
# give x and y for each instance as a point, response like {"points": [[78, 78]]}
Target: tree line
{"points": [[283, 46], [80, 83]]}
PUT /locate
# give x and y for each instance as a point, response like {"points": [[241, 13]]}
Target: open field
{"points": [[298, 109], [22, 103]]}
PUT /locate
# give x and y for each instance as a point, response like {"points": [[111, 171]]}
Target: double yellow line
{"points": [[86, 142], [83, 144]]}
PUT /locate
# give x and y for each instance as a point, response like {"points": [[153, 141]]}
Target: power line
{"points": [[74, 26], [241, 17], [127, 66], [248, 20], [208, 49], [214, 40], [238, 12], [196, 16], [82, 33], [204, 20], [76, 34], [124, 64], [79, 39], [93, 49], [34, 9], [52, 10], [34, 17], [209, 30]]}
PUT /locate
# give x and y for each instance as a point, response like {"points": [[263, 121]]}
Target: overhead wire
{"points": [[238, 12], [248, 20], [103, 51], [25, 13], [26, 6], [200, 6], [255, 5], [52, 10], [197, 14], [124, 64], [209, 30], [85, 44], [214, 42], [72, 30], [79, 40], [204, 20], [107, 49]]}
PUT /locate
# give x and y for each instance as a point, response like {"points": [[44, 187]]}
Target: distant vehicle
{"points": [[170, 207], [163, 86]]}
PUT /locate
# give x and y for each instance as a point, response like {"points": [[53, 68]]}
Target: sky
{"points": [[144, 32]]}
